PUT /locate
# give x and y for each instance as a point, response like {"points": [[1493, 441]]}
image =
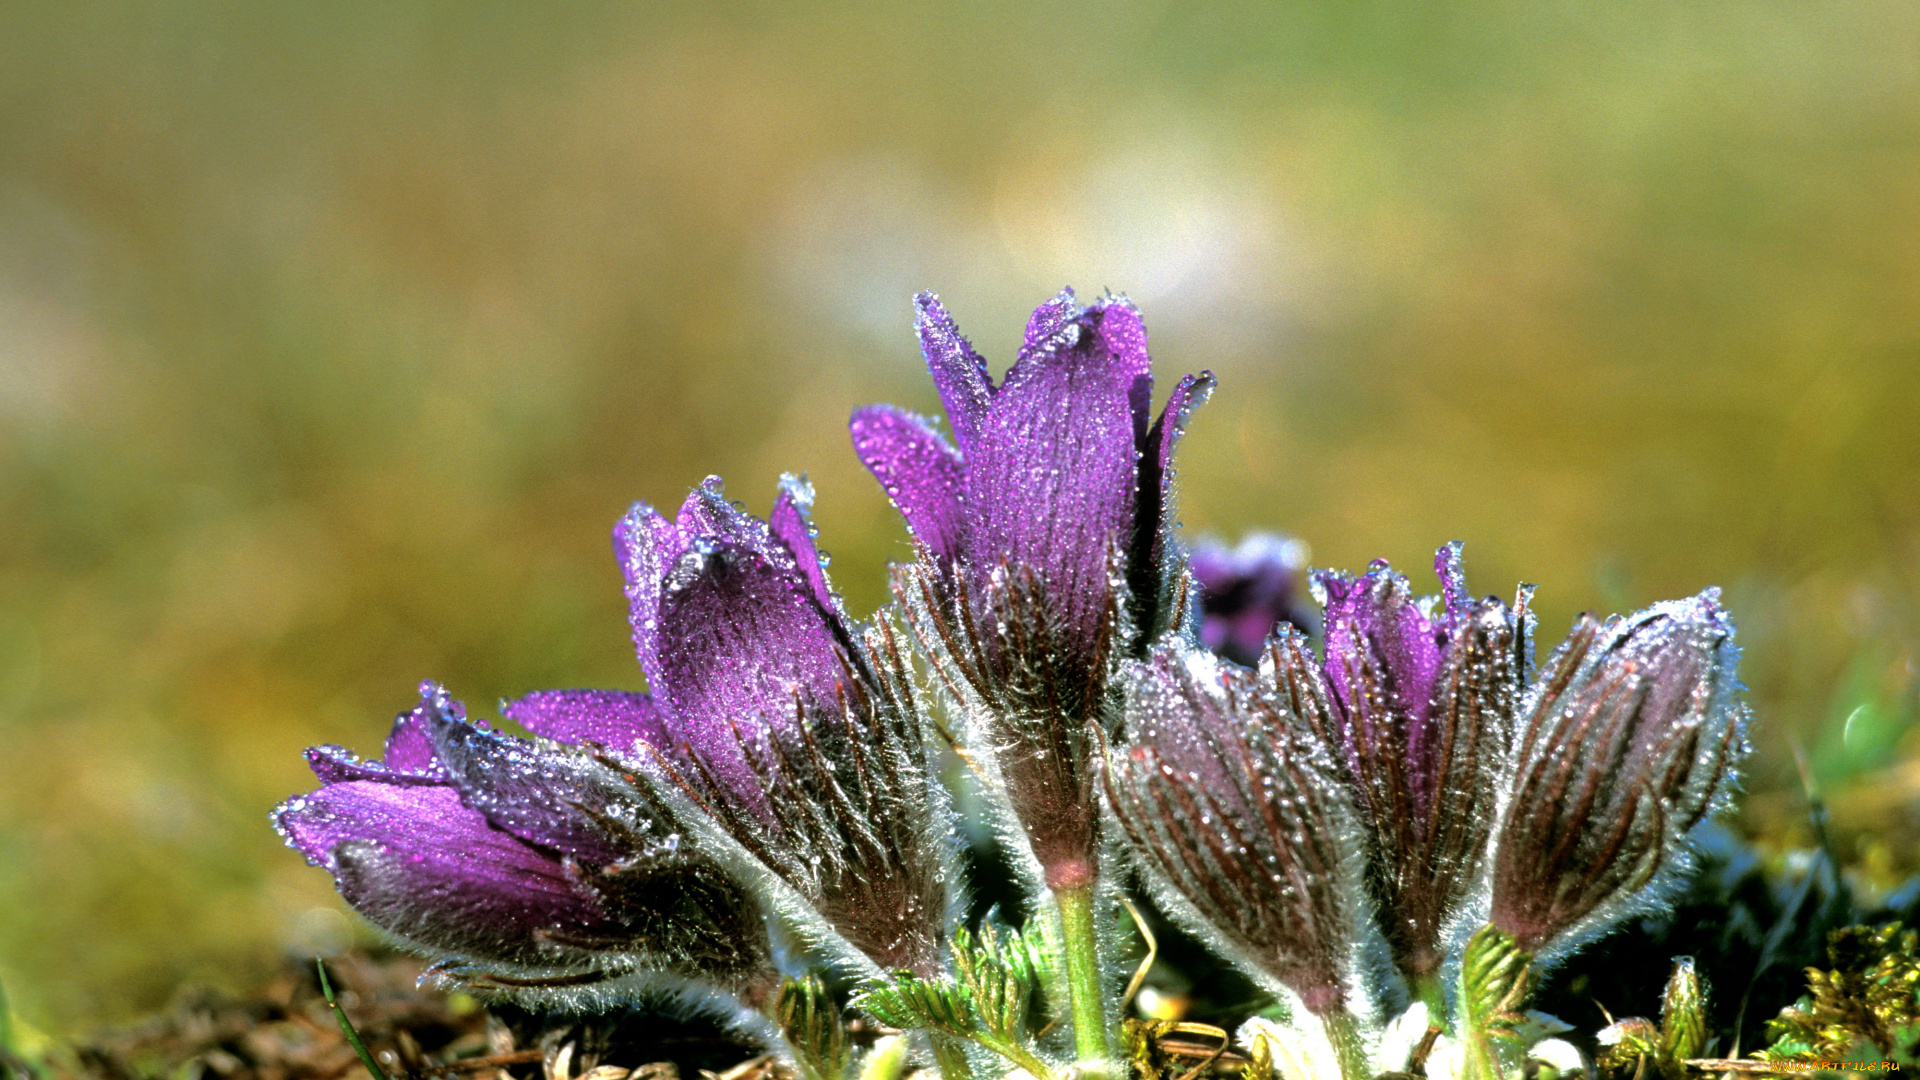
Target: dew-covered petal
{"points": [[560, 799], [645, 543], [1153, 573], [615, 719], [1048, 320], [1382, 658], [959, 373], [743, 647], [1050, 486], [792, 526], [420, 864], [410, 757], [920, 472]]}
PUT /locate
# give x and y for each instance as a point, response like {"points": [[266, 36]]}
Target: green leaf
{"points": [[813, 1025], [1496, 975], [988, 1002], [1683, 1014]]}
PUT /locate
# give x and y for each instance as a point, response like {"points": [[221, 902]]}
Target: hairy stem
{"points": [[1343, 1031], [1434, 995], [1092, 1040]]}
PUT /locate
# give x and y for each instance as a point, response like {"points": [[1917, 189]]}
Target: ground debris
{"points": [[285, 1031]]}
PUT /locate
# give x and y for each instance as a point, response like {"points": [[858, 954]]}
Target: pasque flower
{"points": [[775, 769], [769, 807], [522, 869], [1631, 736], [1248, 590], [1236, 812], [1417, 747], [1422, 715], [1046, 550], [792, 732]]}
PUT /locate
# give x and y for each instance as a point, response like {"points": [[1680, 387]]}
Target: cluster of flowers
{"points": [[1338, 825]]}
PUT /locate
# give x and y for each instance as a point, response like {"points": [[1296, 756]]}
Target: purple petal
{"points": [[1382, 659], [1048, 320], [419, 864], [1123, 336], [959, 373], [921, 473], [614, 719], [1149, 575], [792, 527], [645, 543], [559, 800], [1448, 567], [1050, 485], [742, 645], [409, 754]]}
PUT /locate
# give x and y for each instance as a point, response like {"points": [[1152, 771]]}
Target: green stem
{"points": [[1434, 994], [1019, 1055], [1091, 1037], [1343, 1031], [951, 1056]]}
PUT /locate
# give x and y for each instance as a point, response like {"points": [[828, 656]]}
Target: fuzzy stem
{"points": [[1343, 1031], [951, 1057], [1091, 1039], [1434, 994]]}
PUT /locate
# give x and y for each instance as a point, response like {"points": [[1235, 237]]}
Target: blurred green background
{"points": [[334, 338]]}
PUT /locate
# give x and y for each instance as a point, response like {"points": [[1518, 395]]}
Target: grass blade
{"points": [[346, 1025]]}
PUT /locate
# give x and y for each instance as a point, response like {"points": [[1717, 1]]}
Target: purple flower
{"points": [[1046, 551], [1423, 706], [1235, 811], [775, 771], [785, 727], [1246, 592], [1630, 738], [525, 870]]}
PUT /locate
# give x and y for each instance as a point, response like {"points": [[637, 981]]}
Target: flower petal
{"points": [[409, 754], [742, 647], [645, 543], [1050, 485], [1155, 579], [560, 800], [791, 525], [614, 719], [1382, 657], [959, 373], [1048, 320], [921, 473], [421, 865]]}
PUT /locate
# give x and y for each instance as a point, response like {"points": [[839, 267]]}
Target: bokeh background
{"points": [[335, 337]]}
